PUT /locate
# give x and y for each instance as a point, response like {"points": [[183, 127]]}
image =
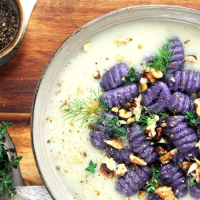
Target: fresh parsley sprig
{"points": [[131, 77], [162, 57], [191, 117], [192, 181], [87, 112], [5, 164], [91, 167], [115, 125], [151, 187]]}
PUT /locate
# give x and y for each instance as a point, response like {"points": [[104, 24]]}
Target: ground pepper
{"points": [[9, 23]]}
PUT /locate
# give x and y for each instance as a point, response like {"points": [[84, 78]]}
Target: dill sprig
{"points": [[151, 187], [162, 57], [120, 130], [191, 117], [88, 112]]}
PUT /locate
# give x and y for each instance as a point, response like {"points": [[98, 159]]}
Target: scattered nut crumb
{"points": [[140, 46], [123, 39], [87, 47], [119, 58]]}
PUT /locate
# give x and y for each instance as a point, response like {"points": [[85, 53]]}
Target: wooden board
{"points": [[50, 24]]}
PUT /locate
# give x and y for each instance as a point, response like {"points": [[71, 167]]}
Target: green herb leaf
{"points": [[131, 77], [91, 167], [88, 112], [192, 181], [151, 187], [191, 117], [162, 57]]}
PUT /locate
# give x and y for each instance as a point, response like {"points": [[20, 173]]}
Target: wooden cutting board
{"points": [[50, 24]]}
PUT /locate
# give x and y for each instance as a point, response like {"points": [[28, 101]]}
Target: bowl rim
{"points": [[20, 32], [139, 7]]}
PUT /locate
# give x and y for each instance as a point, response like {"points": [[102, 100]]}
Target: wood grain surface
{"points": [[52, 21]]}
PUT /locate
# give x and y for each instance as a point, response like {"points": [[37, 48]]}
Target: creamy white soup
{"points": [[68, 145]]}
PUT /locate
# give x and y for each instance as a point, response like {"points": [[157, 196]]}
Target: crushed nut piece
{"points": [[186, 165], [122, 122], [131, 120], [198, 175], [198, 144], [162, 141], [197, 161], [140, 46], [97, 193], [106, 172], [161, 150], [137, 160], [186, 41], [69, 160], [165, 193], [163, 125], [190, 58], [58, 90], [144, 82], [125, 114], [168, 156], [86, 47], [156, 74], [97, 75], [119, 58], [110, 163], [197, 106], [65, 107], [79, 158], [127, 198], [151, 125], [123, 39], [121, 169], [117, 144], [141, 194], [192, 168], [150, 77], [115, 109]]}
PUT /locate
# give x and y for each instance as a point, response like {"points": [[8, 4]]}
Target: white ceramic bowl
{"points": [[47, 171]]}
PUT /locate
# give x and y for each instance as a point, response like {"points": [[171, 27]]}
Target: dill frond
{"points": [[162, 57], [88, 112]]}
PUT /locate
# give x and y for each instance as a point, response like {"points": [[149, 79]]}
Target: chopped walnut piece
{"points": [[121, 169], [97, 75], [164, 124], [119, 58], [125, 114], [197, 161], [161, 150], [192, 168], [186, 165], [151, 125], [168, 156], [140, 46], [87, 46], [165, 193], [197, 106], [123, 39], [137, 160], [117, 144], [110, 163], [156, 74], [106, 172], [186, 41], [150, 77], [144, 82], [141, 194], [79, 158], [131, 120], [97, 193], [198, 175], [115, 109], [190, 58]]}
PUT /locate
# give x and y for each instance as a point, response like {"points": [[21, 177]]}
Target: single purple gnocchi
{"points": [[133, 180], [155, 98], [176, 62], [153, 196], [180, 103], [139, 145], [182, 136], [173, 177], [185, 81], [120, 156], [195, 191], [101, 133], [120, 96], [114, 77]]}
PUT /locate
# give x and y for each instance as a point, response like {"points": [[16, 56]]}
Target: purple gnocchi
{"points": [[153, 196], [176, 62], [155, 98], [133, 180], [185, 81], [173, 177], [139, 145], [195, 191], [120, 96], [180, 133], [114, 77], [101, 133], [120, 156], [180, 103]]}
